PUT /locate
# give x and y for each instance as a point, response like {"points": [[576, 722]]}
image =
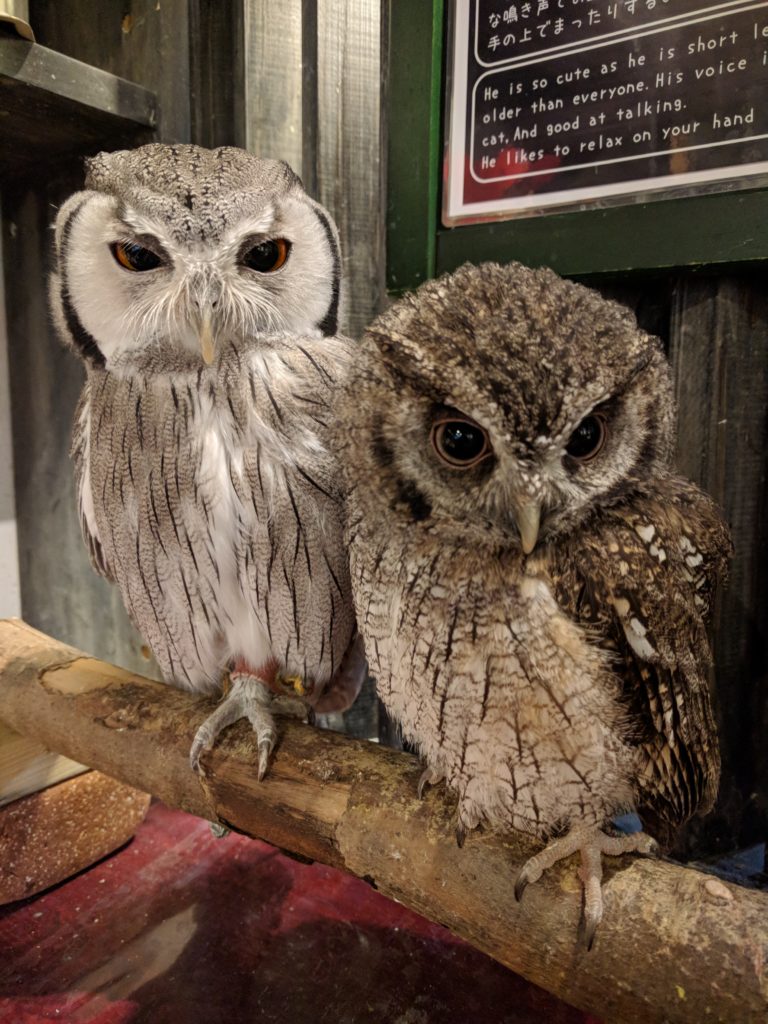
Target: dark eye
{"points": [[460, 442], [588, 438], [267, 257], [135, 257]]}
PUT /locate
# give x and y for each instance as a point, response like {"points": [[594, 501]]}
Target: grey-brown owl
{"points": [[531, 580], [201, 290]]}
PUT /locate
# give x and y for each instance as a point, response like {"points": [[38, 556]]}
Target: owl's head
{"points": [[505, 400], [172, 250]]}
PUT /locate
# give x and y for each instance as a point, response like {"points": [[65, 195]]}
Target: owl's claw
{"points": [[265, 749], [591, 843], [468, 820], [428, 778], [248, 698]]}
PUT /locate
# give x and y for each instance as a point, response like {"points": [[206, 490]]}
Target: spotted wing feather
{"points": [[643, 580]]}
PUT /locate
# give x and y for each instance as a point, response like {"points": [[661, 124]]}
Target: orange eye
{"points": [[460, 442], [135, 257], [268, 256]]}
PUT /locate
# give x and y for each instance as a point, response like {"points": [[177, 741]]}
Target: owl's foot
{"points": [[428, 778], [248, 698], [592, 843]]}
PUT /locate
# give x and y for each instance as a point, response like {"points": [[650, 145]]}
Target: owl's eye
{"points": [[460, 442], [133, 256], [267, 257], [588, 438]]}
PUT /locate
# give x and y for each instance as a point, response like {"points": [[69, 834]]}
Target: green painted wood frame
{"points": [[699, 231]]}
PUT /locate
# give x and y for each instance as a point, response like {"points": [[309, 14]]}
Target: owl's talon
{"points": [[265, 749], [248, 698], [592, 843], [204, 739], [427, 778], [590, 930], [591, 875]]}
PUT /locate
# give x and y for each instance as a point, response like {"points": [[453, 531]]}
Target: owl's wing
{"points": [[645, 578], [80, 451], [291, 548]]}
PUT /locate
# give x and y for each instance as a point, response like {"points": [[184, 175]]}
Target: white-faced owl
{"points": [[201, 290]]}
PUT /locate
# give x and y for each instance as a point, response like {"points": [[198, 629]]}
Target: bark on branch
{"points": [[675, 945]]}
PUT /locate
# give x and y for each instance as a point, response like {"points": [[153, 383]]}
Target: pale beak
{"points": [[207, 341], [527, 518]]}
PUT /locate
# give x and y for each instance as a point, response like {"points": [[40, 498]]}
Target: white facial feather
{"points": [[201, 228]]}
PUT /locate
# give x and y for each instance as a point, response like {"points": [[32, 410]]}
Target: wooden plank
{"points": [[217, 64], [62, 78], [342, 86], [312, 96], [354, 805], [141, 40], [53, 107], [90, 816], [719, 353], [273, 81], [26, 766], [348, 155]]}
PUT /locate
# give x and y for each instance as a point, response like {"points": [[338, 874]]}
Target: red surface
{"points": [[184, 928]]}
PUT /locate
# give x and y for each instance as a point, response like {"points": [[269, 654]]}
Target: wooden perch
{"points": [[675, 944]]}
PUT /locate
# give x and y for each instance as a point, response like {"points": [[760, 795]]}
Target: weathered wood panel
{"points": [[217, 63], [719, 353], [313, 98], [348, 156], [273, 81]]}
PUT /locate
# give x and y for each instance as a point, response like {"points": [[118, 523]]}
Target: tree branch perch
{"points": [[675, 945]]}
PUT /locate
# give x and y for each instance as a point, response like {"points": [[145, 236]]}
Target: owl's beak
{"points": [[207, 340], [528, 517]]}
